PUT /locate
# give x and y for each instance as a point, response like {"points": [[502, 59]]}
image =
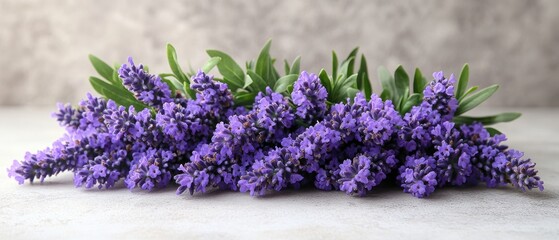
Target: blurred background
{"points": [[44, 44]]}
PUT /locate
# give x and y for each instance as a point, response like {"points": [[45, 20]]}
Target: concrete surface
{"points": [[44, 44], [56, 210]]}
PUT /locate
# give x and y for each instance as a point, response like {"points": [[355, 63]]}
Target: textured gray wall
{"points": [[44, 44]]}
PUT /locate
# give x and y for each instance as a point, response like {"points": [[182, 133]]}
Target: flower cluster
{"points": [[106, 142], [439, 153], [317, 151], [288, 139]]}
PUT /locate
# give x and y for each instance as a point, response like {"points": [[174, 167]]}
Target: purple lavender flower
{"points": [[276, 171], [153, 169], [68, 117], [360, 175], [212, 96], [64, 155], [310, 98], [320, 143], [496, 164], [418, 176], [235, 145], [146, 87], [104, 171]]}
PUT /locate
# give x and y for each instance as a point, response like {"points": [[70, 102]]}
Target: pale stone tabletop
{"points": [[56, 209]]}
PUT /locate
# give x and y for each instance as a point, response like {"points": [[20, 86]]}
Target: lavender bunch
{"points": [[317, 145], [86, 138], [440, 153], [301, 129], [236, 143], [176, 130]]}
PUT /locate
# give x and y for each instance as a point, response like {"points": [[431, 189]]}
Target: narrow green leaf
{"points": [[286, 67], [229, 69], [296, 66], [248, 81], [325, 80], [351, 59], [284, 82], [116, 80], [419, 82], [351, 92], [413, 100], [174, 84], [403, 99], [334, 65], [470, 91], [120, 96], [488, 120], [102, 68], [462, 81], [259, 83], [402, 82], [244, 98], [345, 69], [173, 63], [211, 64], [385, 95], [493, 131], [387, 83], [363, 82], [475, 99], [96, 86], [265, 66]]}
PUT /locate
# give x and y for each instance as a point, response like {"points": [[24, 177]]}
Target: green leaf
{"points": [[488, 120], [402, 83], [470, 91], [363, 82], [413, 100], [475, 99], [387, 83], [493, 131], [296, 66], [259, 83], [286, 67], [334, 65], [102, 68], [232, 73], [211, 64], [325, 80], [116, 80], [402, 101], [463, 81], [248, 81], [351, 59], [419, 82], [284, 82], [351, 92], [385, 95], [173, 63], [244, 98], [265, 66], [344, 69], [339, 92], [120, 96], [174, 84]]}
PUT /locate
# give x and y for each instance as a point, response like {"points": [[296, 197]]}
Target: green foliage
{"points": [[342, 83]]}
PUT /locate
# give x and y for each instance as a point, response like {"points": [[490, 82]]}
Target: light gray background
{"points": [[44, 44]]}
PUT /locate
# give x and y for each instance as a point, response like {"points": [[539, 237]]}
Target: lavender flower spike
{"points": [[310, 98], [147, 88]]}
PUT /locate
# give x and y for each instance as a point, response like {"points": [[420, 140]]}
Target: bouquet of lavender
{"points": [[254, 130]]}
